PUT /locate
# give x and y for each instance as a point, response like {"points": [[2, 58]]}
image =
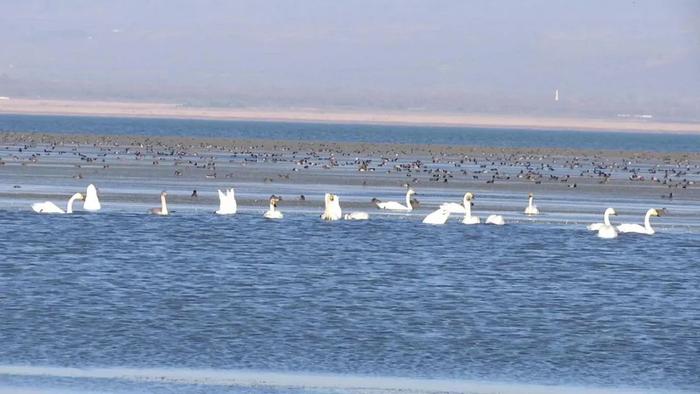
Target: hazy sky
{"points": [[473, 56]]}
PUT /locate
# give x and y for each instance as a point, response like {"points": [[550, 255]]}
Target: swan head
{"points": [[274, 200], [530, 195], [411, 192], [78, 196], [656, 211], [610, 211], [163, 193], [330, 198], [468, 197]]}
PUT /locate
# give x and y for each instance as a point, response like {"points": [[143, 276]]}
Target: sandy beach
{"points": [[169, 110]]}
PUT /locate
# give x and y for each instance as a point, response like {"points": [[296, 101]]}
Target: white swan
{"points": [[227, 202], [496, 220], [273, 213], [332, 209], [531, 208], [606, 219], [607, 230], [396, 206], [439, 216], [92, 202], [49, 207], [453, 207], [163, 210], [356, 216], [636, 228], [468, 218]]}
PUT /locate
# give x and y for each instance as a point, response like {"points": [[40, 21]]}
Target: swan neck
{"points": [[606, 218], [272, 207], [408, 200], [163, 205], [647, 221], [467, 208], [529, 201], [69, 208]]}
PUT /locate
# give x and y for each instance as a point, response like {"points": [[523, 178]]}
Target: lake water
{"points": [[459, 136], [530, 303], [123, 302]]}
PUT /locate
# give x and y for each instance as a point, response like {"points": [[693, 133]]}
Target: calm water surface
{"points": [[351, 133], [528, 302]]}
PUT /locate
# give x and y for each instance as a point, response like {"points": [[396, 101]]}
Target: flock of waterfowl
{"points": [[333, 211]]}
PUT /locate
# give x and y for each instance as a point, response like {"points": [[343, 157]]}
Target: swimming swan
{"points": [[163, 210], [395, 206], [636, 228], [495, 220], [227, 202], [356, 216], [531, 208], [92, 202], [332, 209], [607, 230], [49, 207], [467, 208], [273, 213], [453, 207], [438, 216], [597, 226], [468, 218]]}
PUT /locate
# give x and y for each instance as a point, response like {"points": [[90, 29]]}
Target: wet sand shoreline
{"points": [[321, 115]]}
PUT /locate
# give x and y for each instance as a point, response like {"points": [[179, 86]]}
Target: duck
{"points": [[227, 202], [607, 230], [163, 210], [273, 213], [639, 229], [396, 206], [531, 208], [49, 207], [332, 209], [91, 202]]}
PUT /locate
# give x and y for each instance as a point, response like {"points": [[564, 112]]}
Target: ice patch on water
{"points": [[304, 381]]}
